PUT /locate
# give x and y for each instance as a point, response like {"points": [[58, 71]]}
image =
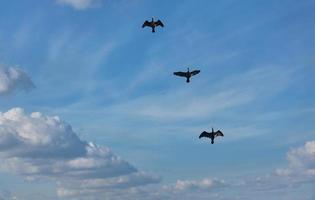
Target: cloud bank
{"points": [[14, 79], [36, 146]]}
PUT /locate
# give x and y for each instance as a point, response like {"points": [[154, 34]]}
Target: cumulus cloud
{"points": [[204, 184], [12, 79], [299, 171], [36, 146], [80, 4], [286, 182], [301, 162]]}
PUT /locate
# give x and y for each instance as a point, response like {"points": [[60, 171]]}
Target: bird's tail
{"points": [[187, 81], [153, 30]]}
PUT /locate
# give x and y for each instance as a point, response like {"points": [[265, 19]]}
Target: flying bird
{"points": [[211, 135], [187, 74], [153, 24]]}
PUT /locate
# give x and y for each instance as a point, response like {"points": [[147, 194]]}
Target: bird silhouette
{"points": [[187, 74], [153, 24], [211, 135]]}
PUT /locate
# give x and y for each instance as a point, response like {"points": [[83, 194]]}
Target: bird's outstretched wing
{"points": [[218, 133], [146, 23], [204, 134], [184, 74], [159, 23], [195, 72]]}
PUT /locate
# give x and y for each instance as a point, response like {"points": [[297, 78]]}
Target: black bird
{"points": [[187, 74], [152, 24], [211, 135]]}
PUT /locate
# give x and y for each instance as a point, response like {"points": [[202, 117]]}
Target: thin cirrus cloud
{"points": [[14, 79], [80, 4], [204, 99], [36, 146]]}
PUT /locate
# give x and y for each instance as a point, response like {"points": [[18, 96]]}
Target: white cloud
{"points": [[182, 189], [285, 184], [301, 162], [288, 183], [12, 79], [298, 173], [80, 4], [36, 146], [104, 187], [204, 184]]}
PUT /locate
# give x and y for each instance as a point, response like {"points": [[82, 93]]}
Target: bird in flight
{"points": [[153, 24], [211, 135], [187, 74]]}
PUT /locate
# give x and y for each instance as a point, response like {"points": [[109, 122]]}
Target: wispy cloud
{"points": [[206, 98], [80, 4]]}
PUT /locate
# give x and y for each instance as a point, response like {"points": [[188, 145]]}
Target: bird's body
{"points": [[211, 135], [153, 24], [187, 74]]}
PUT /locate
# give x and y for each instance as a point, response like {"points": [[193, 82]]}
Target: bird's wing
{"points": [[195, 72], [159, 23], [218, 133], [146, 23], [184, 74], [204, 134]]}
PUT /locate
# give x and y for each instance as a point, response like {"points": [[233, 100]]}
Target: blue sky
{"points": [[91, 64]]}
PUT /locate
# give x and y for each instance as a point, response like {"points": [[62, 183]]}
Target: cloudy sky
{"points": [[90, 109]]}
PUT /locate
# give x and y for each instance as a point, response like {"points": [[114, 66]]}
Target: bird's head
{"points": [[152, 19], [212, 130], [188, 69]]}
